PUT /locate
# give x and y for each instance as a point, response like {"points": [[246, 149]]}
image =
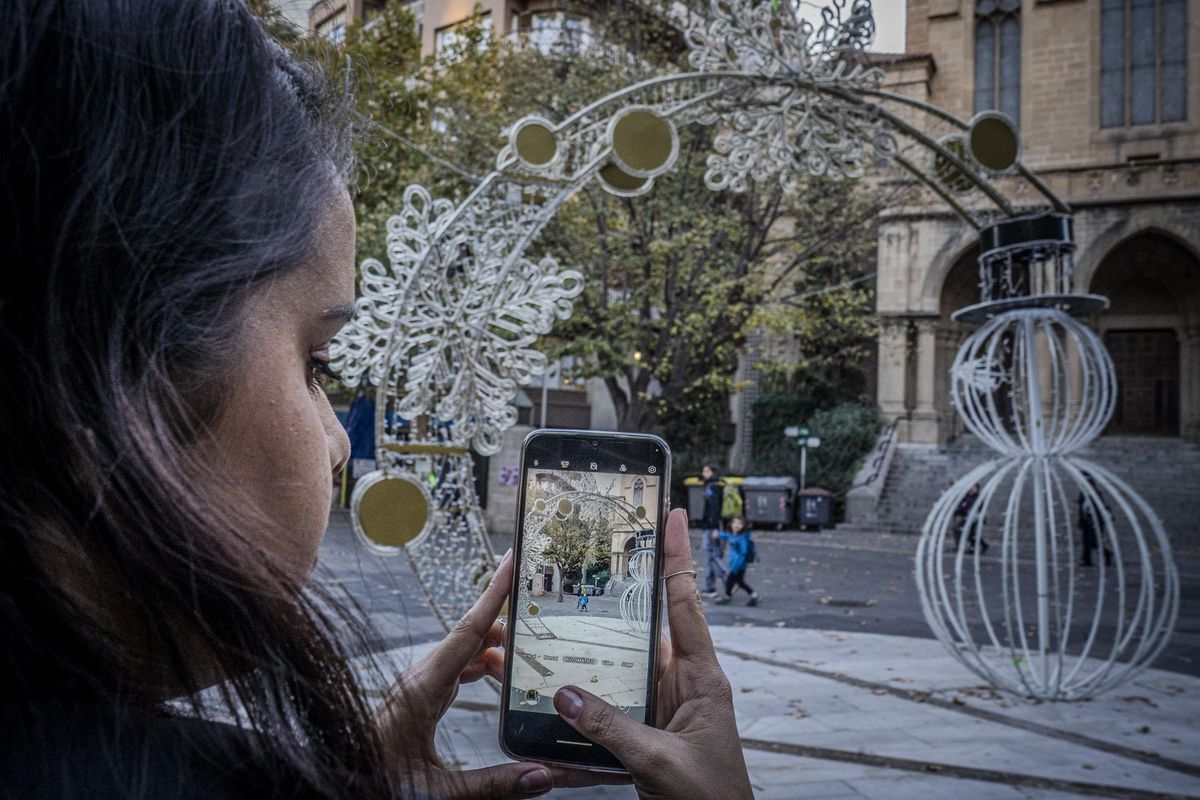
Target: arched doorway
{"points": [[959, 289], [1152, 331], [620, 567]]}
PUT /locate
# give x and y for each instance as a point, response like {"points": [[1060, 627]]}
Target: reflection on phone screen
{"points": [[573, 623]]}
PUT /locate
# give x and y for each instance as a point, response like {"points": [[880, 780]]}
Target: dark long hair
{"points": [[161, 160]]}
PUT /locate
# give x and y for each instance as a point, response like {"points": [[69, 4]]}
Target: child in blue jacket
{"points": [[742, 551]]}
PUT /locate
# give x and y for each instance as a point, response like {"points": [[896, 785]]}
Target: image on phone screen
{"points": [[577, 526]]}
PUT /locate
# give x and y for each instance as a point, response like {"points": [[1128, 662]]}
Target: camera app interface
{"points": [[583, 615]]}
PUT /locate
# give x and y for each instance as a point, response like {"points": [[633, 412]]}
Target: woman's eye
{"points": [[320, 370]]}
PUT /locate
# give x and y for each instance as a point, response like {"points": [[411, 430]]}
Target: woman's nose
{"points": [[336, 439]]}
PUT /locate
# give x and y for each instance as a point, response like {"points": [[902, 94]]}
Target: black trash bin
{"points": [[815, 509], [769, 500]]}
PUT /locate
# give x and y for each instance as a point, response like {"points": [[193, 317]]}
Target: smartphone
{"points": [[585, 603]]}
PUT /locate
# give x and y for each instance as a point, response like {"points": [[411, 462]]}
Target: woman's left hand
{"points": [[409, 716]]}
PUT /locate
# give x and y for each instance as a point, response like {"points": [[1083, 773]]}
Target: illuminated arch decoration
{"points": [[446, 329]]}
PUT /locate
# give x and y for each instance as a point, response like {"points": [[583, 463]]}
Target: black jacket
{"points": [[73, 752], [714, 494]]}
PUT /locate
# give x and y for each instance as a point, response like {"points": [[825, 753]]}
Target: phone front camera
{"points": [[595, 443]]}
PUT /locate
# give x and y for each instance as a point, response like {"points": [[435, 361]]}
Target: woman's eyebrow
{"points": [[344, 312]]}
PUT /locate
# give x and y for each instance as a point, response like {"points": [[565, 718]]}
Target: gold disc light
{"points": [[993, 141], [617, 181], [644, 143], [534, 142], [949, 174], [390, 510]]}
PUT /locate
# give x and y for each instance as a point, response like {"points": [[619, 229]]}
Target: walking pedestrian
{"points": [[742, 553], [959, 518], [1091, 525], [971, 525], [710, 525]]}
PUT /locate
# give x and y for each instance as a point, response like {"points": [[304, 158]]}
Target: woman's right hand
{"points": [[697, 754]]}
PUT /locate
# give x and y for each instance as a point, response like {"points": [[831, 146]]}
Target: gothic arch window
{"points": [[1143, 62], [638, 492], [998, 56]]}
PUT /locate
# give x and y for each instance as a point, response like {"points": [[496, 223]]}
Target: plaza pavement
{"points": [[593, 649], [856, 715], [843, 713]]}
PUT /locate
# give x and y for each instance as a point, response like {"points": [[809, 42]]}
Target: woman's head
{"points": [[179, 250], [709, 472]]}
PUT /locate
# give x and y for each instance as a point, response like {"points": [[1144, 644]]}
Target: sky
{"points": [[889, 22], [889, 26]]}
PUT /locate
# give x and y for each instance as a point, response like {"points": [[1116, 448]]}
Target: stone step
{"points": [[1165, 472]]}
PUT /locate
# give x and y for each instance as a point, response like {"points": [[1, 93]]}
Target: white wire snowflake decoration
{"points": [[468, 316], [777, 124]]}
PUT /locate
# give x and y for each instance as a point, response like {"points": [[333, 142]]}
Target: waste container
{"points": [[815, 509], [695, 496], [769, 500]]}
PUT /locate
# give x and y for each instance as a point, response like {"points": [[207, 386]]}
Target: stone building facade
{"points": [[1106, 95]]}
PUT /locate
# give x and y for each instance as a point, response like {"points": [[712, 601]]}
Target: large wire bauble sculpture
{"points": [[1034, 381], [1038, 623], [636, 600], [1036, 385]]}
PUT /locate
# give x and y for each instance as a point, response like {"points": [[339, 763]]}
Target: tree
{"points": [[575, 543], [676, 278]]}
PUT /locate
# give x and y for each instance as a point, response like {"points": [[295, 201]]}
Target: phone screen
{"points": [[584, 611]]}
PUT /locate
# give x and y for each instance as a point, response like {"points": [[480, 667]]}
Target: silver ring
{"points": [[691, 572]]}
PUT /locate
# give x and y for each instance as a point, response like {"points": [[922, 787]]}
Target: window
{"points": [[555, 31], [639, 489], [998, 57], [1143, 62], [333, 27], [447, 40]]}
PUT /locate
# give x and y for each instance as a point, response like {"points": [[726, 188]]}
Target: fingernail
{"points": [[507, 555], [568, 703], [534, 782]]}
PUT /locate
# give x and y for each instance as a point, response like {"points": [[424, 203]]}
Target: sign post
{"points": [[800, 434]]}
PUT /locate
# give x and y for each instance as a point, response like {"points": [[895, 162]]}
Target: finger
{"points": [[494, 636], [503, 781], [574, 778], [631, 742], [470, 634], [664, 655], [490, 662], [685, 611]]}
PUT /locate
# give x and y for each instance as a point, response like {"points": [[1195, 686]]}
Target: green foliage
{"points": [[574, 544], [847, 432]]}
